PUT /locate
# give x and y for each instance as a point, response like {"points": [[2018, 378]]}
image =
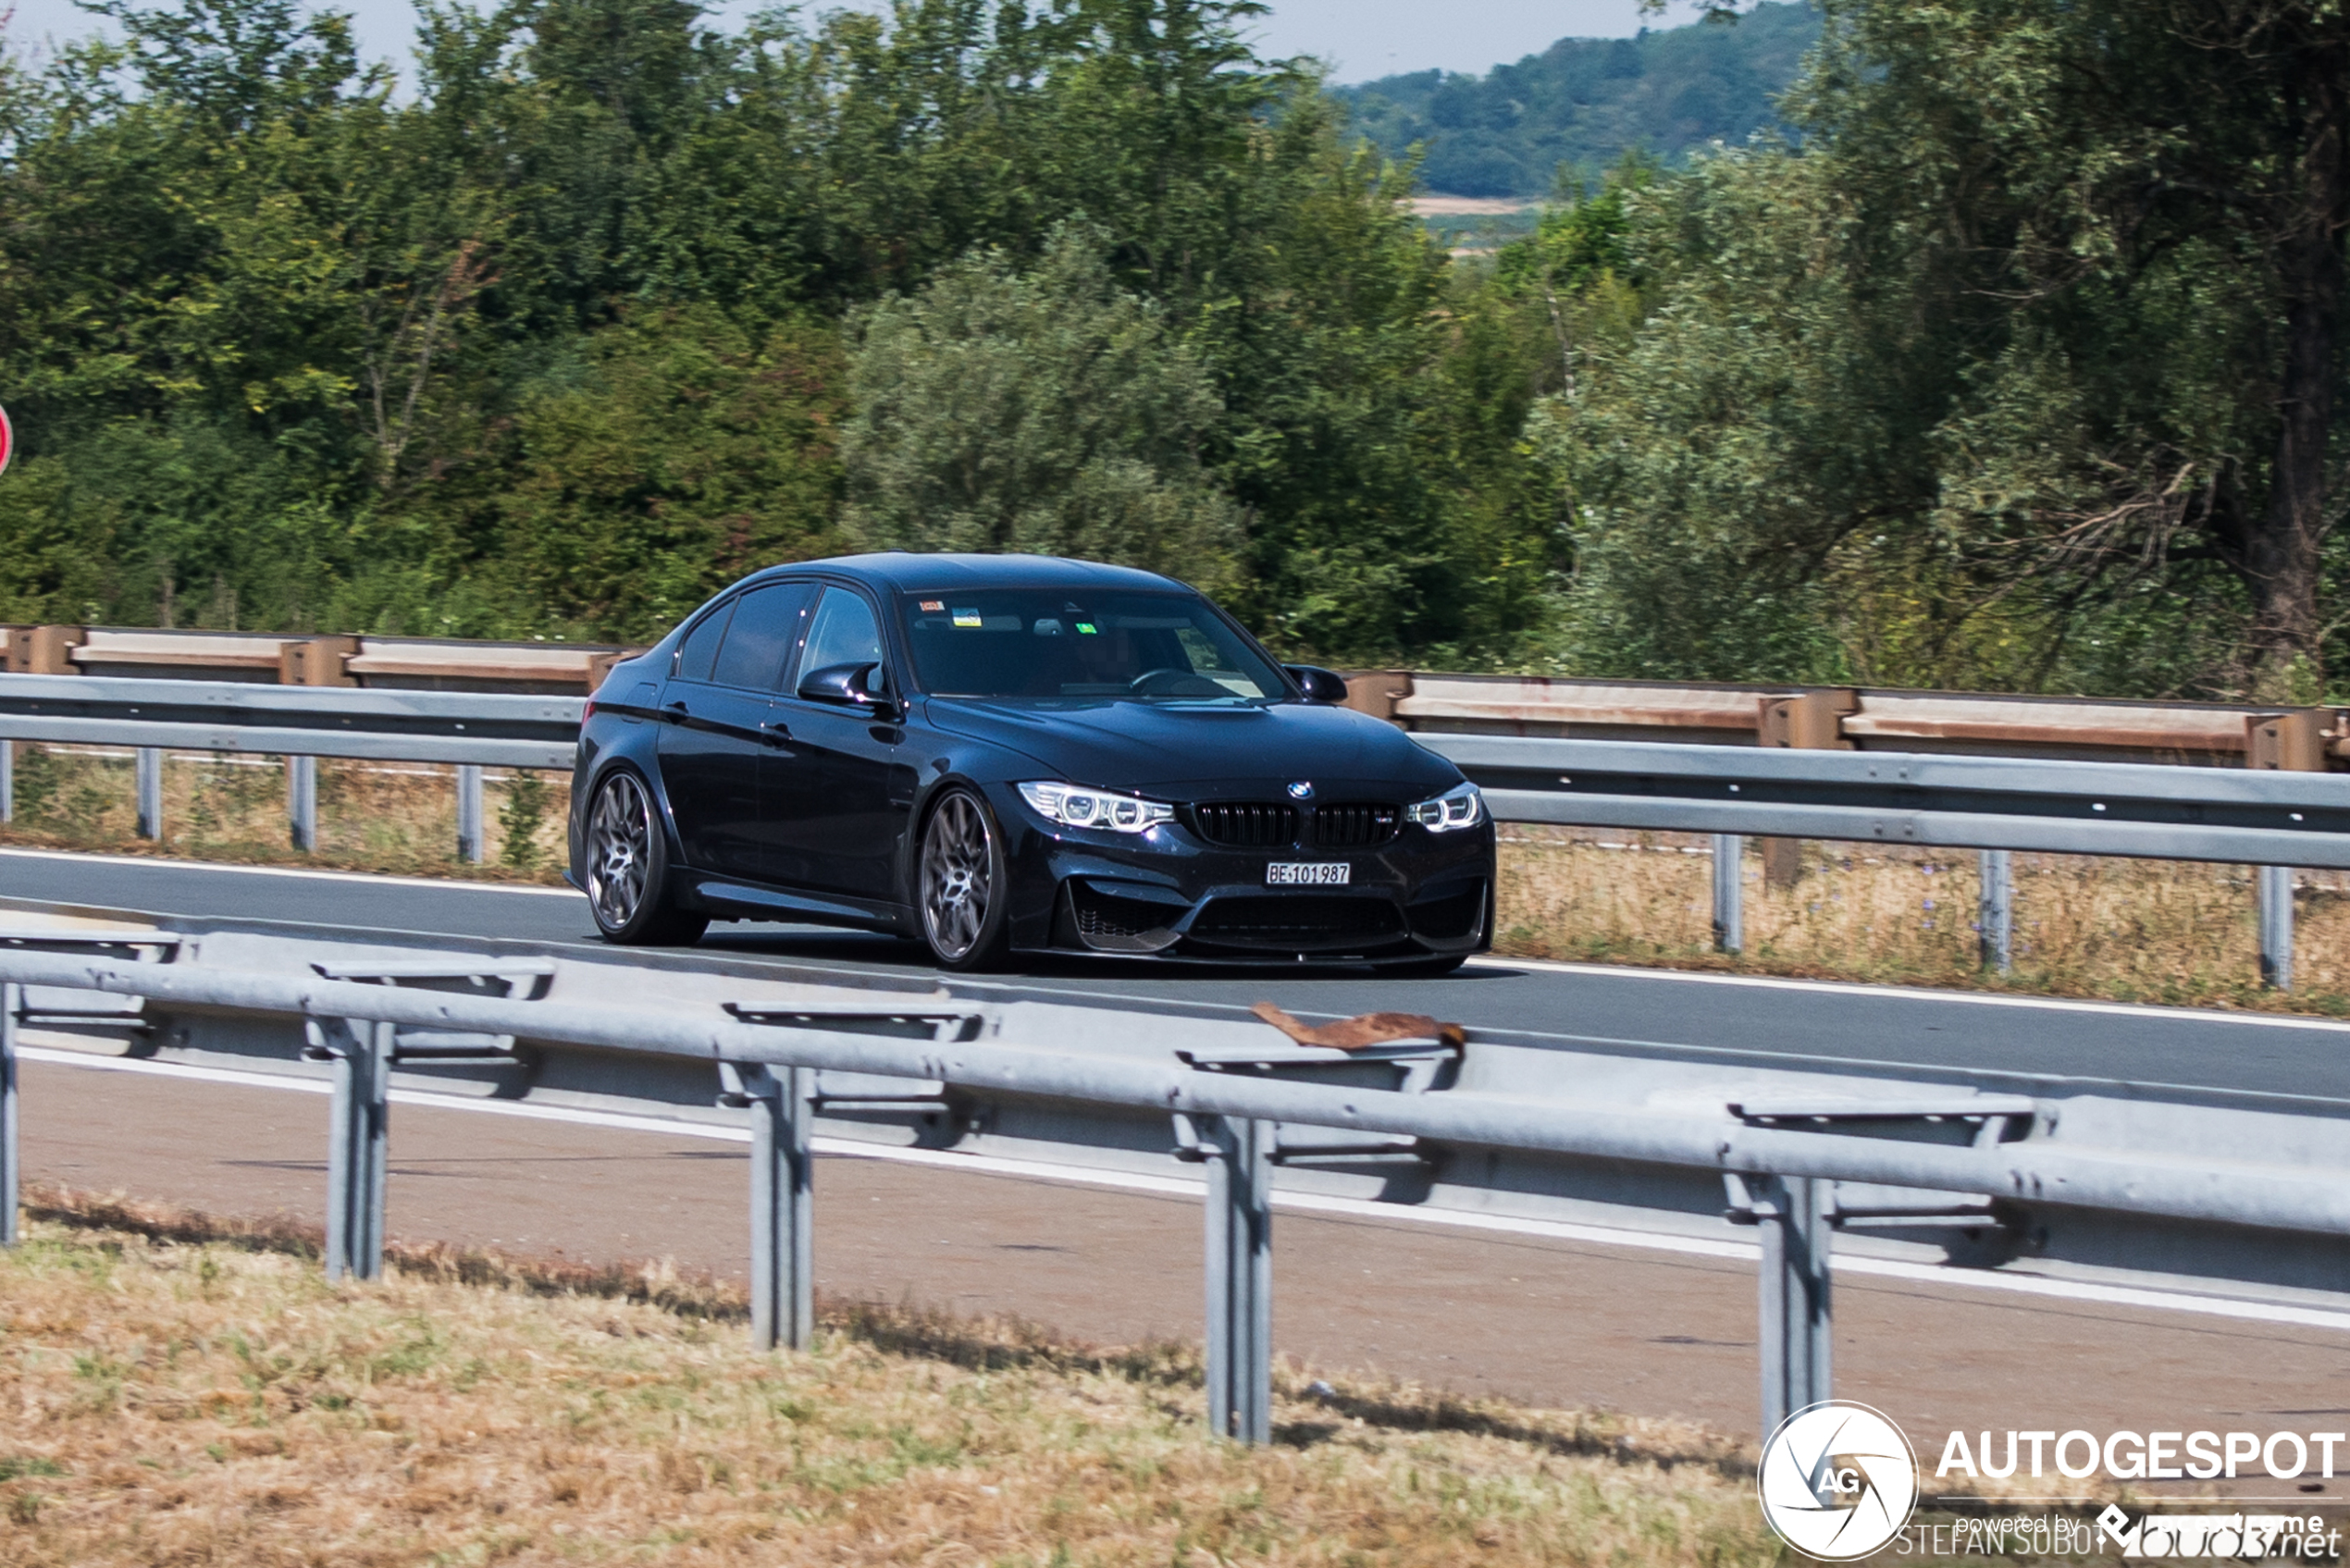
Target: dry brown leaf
{"points": [[1364, 1028]]}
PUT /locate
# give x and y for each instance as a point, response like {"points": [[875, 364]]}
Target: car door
{"points": [[842, 786], [716, 713]]}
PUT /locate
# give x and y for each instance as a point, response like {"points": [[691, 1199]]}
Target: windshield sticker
{"points": [[933, 606], [968, 618], [1085, 628]]}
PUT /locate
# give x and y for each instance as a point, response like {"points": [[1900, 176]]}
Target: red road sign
{"points": [[8, 440]]}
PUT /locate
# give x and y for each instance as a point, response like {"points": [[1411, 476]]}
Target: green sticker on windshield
{"points": [[1085, 627]]}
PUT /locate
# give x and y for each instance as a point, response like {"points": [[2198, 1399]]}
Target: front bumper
{"points": [[1172, 894]]}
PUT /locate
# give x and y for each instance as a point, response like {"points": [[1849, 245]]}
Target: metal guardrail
{"points": [[1803, 1153], [2272, 818], [473, 730]]}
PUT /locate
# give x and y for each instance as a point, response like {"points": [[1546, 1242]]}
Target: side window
{"points": [[766, 623], [844, 633], [699, 651]]}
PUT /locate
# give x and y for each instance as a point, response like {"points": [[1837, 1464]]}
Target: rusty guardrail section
{"points": [[267, 658], [1860, 719], [1833, 718]]}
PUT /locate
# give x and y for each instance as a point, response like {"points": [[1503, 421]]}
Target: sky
{"points": [[1362, 39]]}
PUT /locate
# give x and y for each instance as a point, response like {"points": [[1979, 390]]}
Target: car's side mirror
{"points": [[1320, 685], [847, 686]]}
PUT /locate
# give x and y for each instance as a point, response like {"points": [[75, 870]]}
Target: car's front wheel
{"points": [[962, 892], [628, 869]]}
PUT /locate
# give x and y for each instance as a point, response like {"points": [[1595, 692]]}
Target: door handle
{"points": [[776, 730]]}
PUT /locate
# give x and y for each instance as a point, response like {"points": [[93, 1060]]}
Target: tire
{"points": [[960, 885], [627, 871]]}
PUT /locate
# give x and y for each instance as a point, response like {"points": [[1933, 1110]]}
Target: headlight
{"points": [[1076, 807], [1460, 806]]}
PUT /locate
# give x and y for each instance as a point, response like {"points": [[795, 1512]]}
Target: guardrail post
{"points": [[45, 650], [1729, 896], [1809, 721], [1792, 1221], [2293, 742], [1240, 1278], [358, 1144], [302, 801], [150, 776], [11, 1002], [7, 781], [2274, 894], [470, 846], [783, 1210], [1995, 910]]}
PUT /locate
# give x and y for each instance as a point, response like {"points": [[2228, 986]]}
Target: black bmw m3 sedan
{"points": [[1001, 754]]}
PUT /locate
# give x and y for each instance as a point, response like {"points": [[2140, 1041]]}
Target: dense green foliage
{"points": [[1587, 102], [2023, 374], [614, 306], [2019, 369]]}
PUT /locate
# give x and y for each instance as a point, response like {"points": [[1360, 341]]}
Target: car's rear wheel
{"points": [[963, 893], [628, 869]]}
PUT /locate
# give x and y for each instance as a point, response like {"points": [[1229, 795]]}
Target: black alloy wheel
{"points": [[962, 884], [628, 869]]}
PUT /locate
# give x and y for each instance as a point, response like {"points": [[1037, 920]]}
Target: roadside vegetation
{"points": [[185, 1390], [2157, 931], [398, 818], [2014, 366]]}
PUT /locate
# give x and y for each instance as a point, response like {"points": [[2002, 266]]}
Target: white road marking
{"points": [[160, 862], [1919, 993], [1301, 1202]]}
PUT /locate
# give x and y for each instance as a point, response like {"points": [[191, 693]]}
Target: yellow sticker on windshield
{"points": [[967, 618]]}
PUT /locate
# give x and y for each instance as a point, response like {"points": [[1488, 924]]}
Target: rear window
{"points": [[699, 651], [765, 626]]}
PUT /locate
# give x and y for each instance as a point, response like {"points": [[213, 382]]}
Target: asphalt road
{"points": [[1978, 1037]]}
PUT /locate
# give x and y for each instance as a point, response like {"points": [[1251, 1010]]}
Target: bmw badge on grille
{"points": [[1301, 791]]}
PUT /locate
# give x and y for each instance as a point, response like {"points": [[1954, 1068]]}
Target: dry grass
{"points": [[2133, 931], [177, 1390], [397, 818]]}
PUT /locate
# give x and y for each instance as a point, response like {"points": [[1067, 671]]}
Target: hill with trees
{"points": [[1587, 102]]}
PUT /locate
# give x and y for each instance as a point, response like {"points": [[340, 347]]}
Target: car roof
{"points": [[905, 572]]}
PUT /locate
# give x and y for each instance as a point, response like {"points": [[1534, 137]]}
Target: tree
{"points": [[2148, 199], [1049, 412]]}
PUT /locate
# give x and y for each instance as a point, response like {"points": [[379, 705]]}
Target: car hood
{"points": [[1204, 749]]}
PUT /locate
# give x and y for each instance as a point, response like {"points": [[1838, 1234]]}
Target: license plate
{"points": [[1309, 873]]}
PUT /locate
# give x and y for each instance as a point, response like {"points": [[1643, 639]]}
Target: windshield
{"points": [[1047, 645]]}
